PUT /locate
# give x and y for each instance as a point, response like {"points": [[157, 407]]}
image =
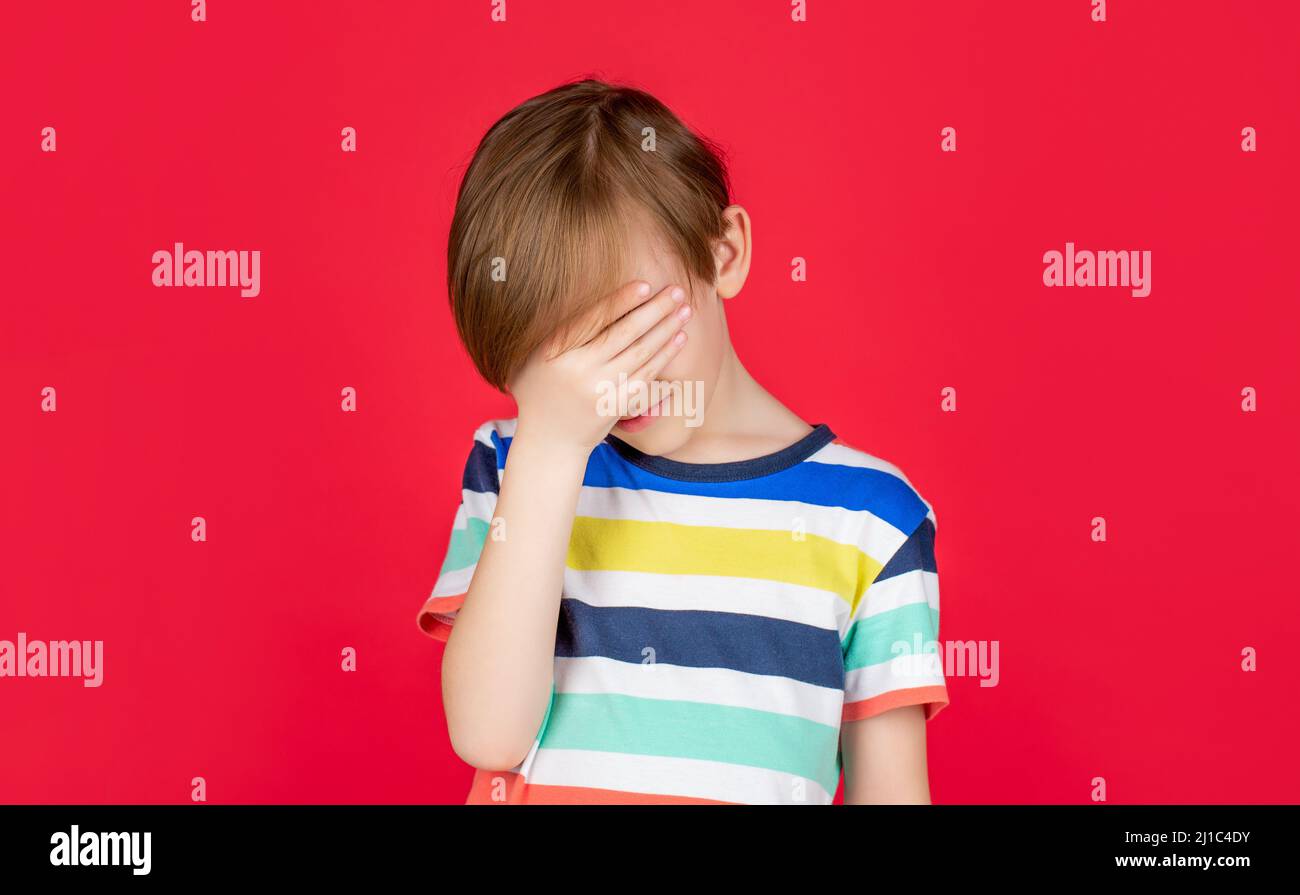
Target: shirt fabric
{"points": [[718, 622]]}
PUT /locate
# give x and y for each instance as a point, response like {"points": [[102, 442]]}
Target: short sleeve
{"points": [[480, 485], [892, 654]]}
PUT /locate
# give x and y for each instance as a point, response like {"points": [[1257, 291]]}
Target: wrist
{"points": [[558, 451]]}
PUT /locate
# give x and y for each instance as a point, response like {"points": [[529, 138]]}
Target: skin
{"points": [[497, 669]]}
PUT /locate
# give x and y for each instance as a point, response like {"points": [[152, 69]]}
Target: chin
{"points": [[663, 436]]}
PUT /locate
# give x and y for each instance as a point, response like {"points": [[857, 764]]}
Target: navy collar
{"points": [[734, 471]]}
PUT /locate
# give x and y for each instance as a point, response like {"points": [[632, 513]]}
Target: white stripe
{"points": [[657, 775], [843, 455], [709, 593], [479, 504], [503, 428], [454, 583], [899, 673], [647, 505], [716, 686], [916, 586]]}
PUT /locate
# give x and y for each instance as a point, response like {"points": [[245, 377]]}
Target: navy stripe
{"points": [[701, 639], [481, 469], [821, 484], [916, 553]]}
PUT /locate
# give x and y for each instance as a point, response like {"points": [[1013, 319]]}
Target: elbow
{"points": [[488, 729], [489, 751]]}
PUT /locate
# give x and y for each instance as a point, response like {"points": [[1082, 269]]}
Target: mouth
{"points": [[641, 421]]}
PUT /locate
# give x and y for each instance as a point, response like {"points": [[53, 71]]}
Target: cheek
{"points": [[683, 367], [695, 361]]}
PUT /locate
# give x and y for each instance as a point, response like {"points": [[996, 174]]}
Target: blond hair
{"points": [[540, 230]]}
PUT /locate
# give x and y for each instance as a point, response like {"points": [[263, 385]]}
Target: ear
{"points": [[732, 252]]}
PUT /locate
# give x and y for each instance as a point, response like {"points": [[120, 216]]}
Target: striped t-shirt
{"points": [[718, 622]]}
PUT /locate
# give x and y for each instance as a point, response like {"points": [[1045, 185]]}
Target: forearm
{"points": [[885, 759], [497, 670]]}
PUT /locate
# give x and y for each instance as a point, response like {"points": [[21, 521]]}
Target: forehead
{"points": [[649, 256]]}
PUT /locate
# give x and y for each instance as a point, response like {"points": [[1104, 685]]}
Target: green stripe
{"points": [[612, 722], [870, 640], [466, 545]]}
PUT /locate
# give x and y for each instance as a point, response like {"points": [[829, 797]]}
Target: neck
{"points": [[743, 420]]}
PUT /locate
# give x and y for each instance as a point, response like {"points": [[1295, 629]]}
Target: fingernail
{"points": [[679, 294], [679, 338], [684, 312], [643, 289]]}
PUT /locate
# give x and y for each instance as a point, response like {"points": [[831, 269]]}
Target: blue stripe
{"points": [[502, 445], [701, 639], [821, 484], [916, 553]]}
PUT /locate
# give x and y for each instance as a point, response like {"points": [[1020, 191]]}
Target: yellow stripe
{"points": [[629, 545]]}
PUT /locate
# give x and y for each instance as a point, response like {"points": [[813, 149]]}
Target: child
{"points": [[654, 603]]}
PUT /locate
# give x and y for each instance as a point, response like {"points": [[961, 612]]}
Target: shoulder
{"points": [[868, 483], [495, 434], [487, 455]]}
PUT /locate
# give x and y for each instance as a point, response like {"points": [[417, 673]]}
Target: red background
{"points": [[326, 529]]}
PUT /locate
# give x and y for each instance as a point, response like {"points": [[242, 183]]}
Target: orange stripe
{"points": [[430, 624], [513, 789], [934, 698]]}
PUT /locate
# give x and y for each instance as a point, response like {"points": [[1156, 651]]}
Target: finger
{"points": [[592, 324], [637, 322], [636, 355], [650, 371], [644, 390]]}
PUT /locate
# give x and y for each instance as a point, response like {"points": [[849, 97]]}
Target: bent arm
{"points": [[497, 671]]}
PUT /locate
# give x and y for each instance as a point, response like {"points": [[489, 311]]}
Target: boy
{"points": [[645, 605]]}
